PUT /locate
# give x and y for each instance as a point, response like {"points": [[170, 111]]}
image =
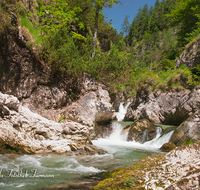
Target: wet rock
{"points": [[88, 150], [104, 117], [142, 131], [167, 147], [101, 131]]}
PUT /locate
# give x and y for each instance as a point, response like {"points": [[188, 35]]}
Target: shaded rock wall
{"points": [[180, 109], [188, 131], [48, 92], [22, 74]]}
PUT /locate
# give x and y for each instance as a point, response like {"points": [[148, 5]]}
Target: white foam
{"points": [[29, 160], [75, 167]]}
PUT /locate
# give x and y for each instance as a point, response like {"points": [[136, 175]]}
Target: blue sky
{"points": [[118, 14]]}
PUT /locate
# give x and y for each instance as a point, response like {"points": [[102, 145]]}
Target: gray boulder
{"points": [[93, 107]]}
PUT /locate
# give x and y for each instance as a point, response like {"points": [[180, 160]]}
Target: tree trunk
{"points": [[95, 30]]}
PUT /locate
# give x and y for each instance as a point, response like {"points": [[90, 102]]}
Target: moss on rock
{"points": [[13, 147], [168, 147]]}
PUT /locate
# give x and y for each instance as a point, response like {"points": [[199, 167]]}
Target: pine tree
{"points": [[125, 28]]}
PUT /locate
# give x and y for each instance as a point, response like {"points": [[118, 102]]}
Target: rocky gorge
{"points": [[42, 112]]}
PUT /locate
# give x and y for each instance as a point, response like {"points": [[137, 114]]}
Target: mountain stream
{"points": [[27, 172]]}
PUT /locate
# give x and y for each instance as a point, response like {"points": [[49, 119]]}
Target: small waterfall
{"points": [[157, 143], [117, 126], [116, 135], [116, 140], [122, 110]]}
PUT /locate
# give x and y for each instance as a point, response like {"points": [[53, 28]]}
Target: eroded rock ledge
{"points": [[23, 131]]}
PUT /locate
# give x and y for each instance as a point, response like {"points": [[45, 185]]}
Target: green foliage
{"points": [[189, 141], [57, 15], [73, 96], [61, 118], [195, 33], [104, 3], [165, 64], [5, 19], [130, 182], [20, 9], [185, 15], [79, 37], [143, 59], [35, 31], [150, 21]]}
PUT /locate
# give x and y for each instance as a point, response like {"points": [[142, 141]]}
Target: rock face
{"points": [[179, 169], [93, 107], [171, 108], [141, 131], [19, 127], [48, 92], [189, 130], [190, 56]]}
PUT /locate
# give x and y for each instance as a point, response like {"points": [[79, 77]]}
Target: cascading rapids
{"points": [[118, 141]]}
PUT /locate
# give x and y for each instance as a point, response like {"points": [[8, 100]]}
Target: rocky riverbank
{"points": [[22, 131], [179, 169]]}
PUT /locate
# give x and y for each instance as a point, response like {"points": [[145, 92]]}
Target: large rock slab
{"points": [[93, 107], [20, 127], [141, 131]]}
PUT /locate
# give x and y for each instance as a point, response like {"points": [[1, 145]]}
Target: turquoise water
{"points": [[27, 172]]}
